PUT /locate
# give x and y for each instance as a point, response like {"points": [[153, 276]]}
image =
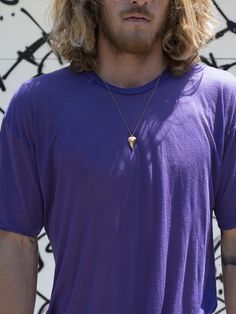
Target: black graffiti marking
{"points": [[41, 265], [28, 53], [46, 302], [226, 67], [46, 37], [10, 2], [231, 26], [219, 277], [1, 18], [217, 242], [35, 22], [41, 65], [221, 310], [212, 62], [49, 248], [2, 86]]}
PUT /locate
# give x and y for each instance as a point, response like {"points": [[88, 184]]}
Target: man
{"points": [[122, 156]]}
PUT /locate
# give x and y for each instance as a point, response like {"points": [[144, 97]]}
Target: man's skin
{"points": [[228, 258], [129, 55], [18, 273], [135, 57]]}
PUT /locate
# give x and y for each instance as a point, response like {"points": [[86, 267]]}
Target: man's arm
{"points": [[228, 260], [18, 273]]}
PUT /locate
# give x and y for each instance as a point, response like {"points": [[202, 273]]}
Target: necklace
{"points": [[132, 139]]}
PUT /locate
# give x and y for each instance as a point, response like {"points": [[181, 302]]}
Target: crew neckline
{"points": [[129, 90]]}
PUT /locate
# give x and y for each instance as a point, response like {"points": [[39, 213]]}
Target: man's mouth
{"points": [[137, 18]]}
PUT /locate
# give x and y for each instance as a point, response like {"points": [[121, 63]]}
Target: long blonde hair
{"points": [[190, 26]]}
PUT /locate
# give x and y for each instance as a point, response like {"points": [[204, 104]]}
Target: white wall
{"points": [[19, 33]]}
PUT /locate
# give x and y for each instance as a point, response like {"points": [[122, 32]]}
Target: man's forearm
{"points": [[18, 276], [228, 259], [229, 280]]}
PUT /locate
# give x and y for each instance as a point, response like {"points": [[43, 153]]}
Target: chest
{"points": [[92, 139]]}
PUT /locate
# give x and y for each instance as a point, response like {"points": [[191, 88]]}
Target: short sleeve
{"points": [[21, 203], [225, 198], [225, 205]]}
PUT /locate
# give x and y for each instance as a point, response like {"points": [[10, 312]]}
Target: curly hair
{"points": [[190, 26]]}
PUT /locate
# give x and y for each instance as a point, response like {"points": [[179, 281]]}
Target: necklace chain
{"points": [[149, 100]]}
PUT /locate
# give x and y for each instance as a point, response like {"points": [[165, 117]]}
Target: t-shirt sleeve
{"points": [[225, 198], [21, 203]]}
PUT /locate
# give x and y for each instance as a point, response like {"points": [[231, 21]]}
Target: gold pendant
{"points": [[132, 141]]}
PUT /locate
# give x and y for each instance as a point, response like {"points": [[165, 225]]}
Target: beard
{"points": [[136, 41]]}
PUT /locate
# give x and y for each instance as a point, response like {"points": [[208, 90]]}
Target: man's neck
{"points": [[126, 70]]}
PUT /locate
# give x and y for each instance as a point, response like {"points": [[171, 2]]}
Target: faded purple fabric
{"points": [[131, 231]]}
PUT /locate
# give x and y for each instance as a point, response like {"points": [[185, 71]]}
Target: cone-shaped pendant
{"points": [[132, 141]]}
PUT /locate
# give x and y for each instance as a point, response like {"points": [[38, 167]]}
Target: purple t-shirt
{"points": [[131, 231]]}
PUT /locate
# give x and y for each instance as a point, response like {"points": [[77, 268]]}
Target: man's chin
{"points": [[133, 42], [135, 48], [136, 51]]}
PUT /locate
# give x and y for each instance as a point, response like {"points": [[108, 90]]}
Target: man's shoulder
{"points": [[43, 89], [219, 76], [53, 81], [214, 83], [221, 85]]}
